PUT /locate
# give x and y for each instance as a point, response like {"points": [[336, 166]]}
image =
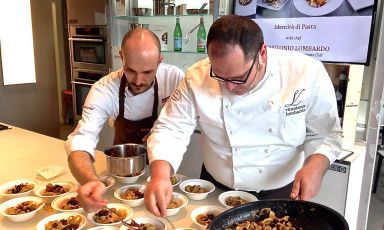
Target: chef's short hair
{"points": [[142, 30], [237, 30]]}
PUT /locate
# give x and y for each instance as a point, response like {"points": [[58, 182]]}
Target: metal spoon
{"points": [[170, 223]]}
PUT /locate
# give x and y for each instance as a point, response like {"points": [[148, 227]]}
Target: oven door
{"points": [[89, 53], [80, 91]]}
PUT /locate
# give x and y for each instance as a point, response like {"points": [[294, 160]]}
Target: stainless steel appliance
{"points": [[82, 81], [87, 12], [89, 47]]}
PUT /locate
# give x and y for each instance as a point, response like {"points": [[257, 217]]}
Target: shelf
{"points": [[161, 16]]}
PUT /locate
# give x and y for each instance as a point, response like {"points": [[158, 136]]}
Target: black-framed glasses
{"points": [[235, 81]]}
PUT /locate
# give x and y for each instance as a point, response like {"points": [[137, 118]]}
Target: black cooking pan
{"points": [[304, 214]]}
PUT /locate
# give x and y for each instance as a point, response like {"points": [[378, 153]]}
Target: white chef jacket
{"points": [[102, 102], [259, 140]]}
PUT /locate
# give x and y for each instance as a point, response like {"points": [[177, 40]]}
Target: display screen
{"points": [[337, 31]]}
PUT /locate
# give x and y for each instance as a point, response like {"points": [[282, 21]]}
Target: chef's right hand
{"points": [[90, 196], [158, 192], [157, 196]]}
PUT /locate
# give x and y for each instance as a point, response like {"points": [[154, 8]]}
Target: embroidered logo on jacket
{"points": [[296, 106]]}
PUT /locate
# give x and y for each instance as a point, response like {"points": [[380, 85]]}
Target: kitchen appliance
{"points": [[87, 12], [82, 81], [126, 160], [303, 214], [89, 47]]}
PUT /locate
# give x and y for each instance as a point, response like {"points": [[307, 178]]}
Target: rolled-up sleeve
{"points": [[96, 110]]}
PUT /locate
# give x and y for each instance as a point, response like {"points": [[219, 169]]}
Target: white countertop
{"points": [[22, 152]]}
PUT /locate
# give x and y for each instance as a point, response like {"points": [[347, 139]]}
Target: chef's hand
{"points": [[158, 192], [90, 196], [308, 179]]}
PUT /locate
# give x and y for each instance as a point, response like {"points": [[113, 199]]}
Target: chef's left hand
{"points": [[308, 179]]}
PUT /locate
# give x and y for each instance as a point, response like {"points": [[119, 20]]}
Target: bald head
{"points": [[140, 37]]}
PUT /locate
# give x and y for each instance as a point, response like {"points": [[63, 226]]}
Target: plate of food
{"points": [[316, 7], [21, 209], [112, 214], [67, 203], [272, 4], [52, 190], [64, 220], [18, 188]]}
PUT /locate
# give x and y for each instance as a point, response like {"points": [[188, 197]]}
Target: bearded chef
{"points": [[132, 97]]}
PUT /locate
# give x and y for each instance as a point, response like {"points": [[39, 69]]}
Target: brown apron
{"points": [[127, 131]]}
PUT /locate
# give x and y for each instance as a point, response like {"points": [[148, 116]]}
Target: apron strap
{"points": [[123, 83], [155, 100]]}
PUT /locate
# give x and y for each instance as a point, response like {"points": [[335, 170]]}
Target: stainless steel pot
{"points": [[126, 159]]}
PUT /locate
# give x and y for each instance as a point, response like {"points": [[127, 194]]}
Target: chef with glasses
{"points": [[268, 119]]}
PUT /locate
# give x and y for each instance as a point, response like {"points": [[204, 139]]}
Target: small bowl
{"points": [[11, 184], [202, 183], [134, 202], [108, 181], [141, 11], [48, 199], [179, 196], [60, 201], [156, 222], [129, 179], [60, 216], [117, 206], [204, 210], [175, 179], [243, 195], [14, 202]]}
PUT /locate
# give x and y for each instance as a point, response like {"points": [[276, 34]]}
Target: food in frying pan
{"points": [[72, 223], [195, 189], [20, 188], [133, 225], [205, 219], [22, 208], [273, 3], [109, 216], [175, 203], [71, 203], [53, 190], [265, 219], [235, 201], [132, 194], [316, 3]]}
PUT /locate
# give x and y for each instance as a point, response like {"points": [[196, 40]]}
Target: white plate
{"points": [[159, 224], [174, 211], [216, 210], [269, 6], [117, 206], [360, 4], [8, 185], [14, 202], [304, 7], [133, 203], [242, 194], [58, 202], [60, 216], [48, 199]]}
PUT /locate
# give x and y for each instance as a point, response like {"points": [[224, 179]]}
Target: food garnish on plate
{"points": [[235, 201], [22, 208], [71, 223], [109, 216], [52, 190], [195, 189], [132, 194], [20, 188], [316, 3], [273, 3], [71, 203]]}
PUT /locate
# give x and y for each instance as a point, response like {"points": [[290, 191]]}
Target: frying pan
{"points": [[304, 214]]}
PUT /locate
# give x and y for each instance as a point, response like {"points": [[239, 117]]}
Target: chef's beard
{"points": [[138, 89]]}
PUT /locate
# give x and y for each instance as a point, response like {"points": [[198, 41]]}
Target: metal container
{"points": [[126, 160], [139, 25]]}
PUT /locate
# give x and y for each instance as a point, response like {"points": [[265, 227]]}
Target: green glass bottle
{"points": [[201, 36], [177, 37]]}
